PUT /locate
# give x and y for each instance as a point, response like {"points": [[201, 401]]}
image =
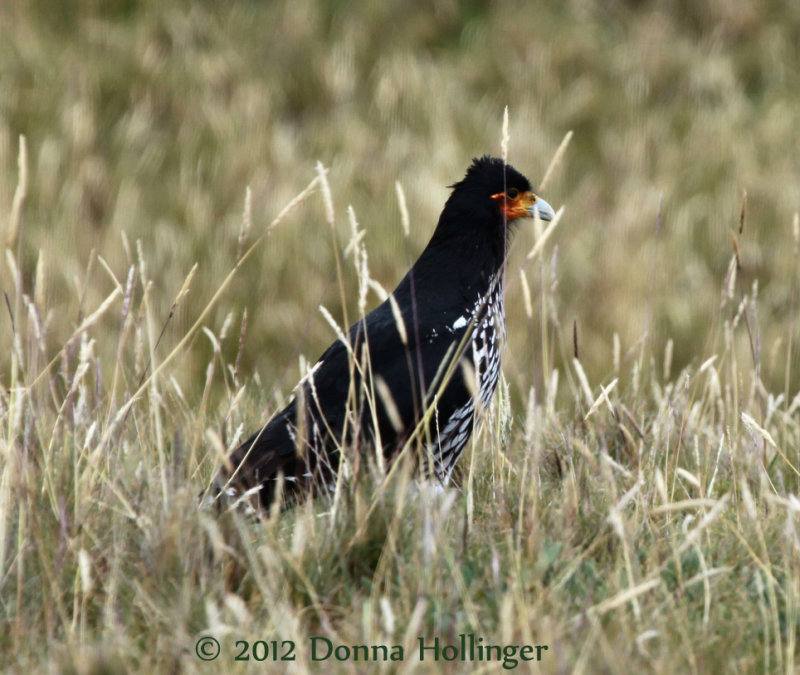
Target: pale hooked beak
{"points": [[546, 212]]}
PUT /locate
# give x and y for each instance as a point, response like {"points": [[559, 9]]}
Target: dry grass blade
{"points": [[538, 247], [556, 160], [15, 219], [504, 137]]}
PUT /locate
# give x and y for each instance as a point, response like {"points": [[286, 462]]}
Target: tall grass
{"points": [[652, 519], [630, 500]]}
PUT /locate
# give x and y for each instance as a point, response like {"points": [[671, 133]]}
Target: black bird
{"points": [[415, 366]]}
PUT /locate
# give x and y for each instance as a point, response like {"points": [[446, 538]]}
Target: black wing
{"points": [[338, 410]]}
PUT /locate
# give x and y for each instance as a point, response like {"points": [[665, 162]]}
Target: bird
{"points": [[411, 373]]}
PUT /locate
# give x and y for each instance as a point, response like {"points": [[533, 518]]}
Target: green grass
{"points": [[651, 528]]}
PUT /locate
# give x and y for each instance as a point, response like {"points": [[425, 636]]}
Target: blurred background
{"points": [[147, 121]]}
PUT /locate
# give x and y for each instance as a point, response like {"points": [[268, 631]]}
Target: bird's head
{"points": [[499, 188]]}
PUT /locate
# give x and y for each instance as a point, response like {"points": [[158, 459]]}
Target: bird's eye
{"points": [[512, 193]]}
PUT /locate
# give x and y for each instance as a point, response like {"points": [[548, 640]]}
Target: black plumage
{"points": [[418, 369]]}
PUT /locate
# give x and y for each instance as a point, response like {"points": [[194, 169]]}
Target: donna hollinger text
{"points": [[467, 647]]}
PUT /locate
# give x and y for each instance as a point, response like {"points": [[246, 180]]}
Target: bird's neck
{"points": [[459, 266], [472, 249]]}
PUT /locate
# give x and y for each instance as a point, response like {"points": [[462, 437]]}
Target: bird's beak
{"points": [[524, 205], [545, 210]]}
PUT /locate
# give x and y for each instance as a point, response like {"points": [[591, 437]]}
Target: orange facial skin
{"points": [[515, 204]]}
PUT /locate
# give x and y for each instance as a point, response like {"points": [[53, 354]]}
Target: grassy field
{"points": [[632, 499]]}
